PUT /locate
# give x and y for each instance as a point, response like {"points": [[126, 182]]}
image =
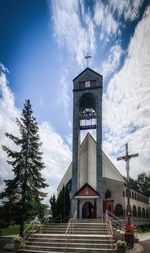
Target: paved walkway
{"points": [[144, 244]]}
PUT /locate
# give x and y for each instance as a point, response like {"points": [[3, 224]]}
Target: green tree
{"points": [[53, 205], [63, 203], [133, 184], [4, 217], [61, 206], [143, 183], [23, 194]]}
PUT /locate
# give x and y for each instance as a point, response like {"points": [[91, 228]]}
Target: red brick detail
{"points": [[86, 191]]}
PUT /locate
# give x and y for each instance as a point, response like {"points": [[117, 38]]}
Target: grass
{"points": [[143, 228], [11, 230]]}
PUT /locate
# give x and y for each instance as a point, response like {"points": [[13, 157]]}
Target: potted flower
{"points": [[129, 234], [130, 228], [121, 246]]}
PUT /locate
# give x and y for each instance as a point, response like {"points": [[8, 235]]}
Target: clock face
{"points": [[87, 84]]}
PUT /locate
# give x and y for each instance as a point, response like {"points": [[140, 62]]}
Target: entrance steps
{"points": [[84, 238]]}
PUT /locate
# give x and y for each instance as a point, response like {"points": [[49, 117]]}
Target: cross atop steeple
{"points": [[87, 57]]}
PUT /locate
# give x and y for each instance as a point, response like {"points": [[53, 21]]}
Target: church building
{"points": [[94, 182]]}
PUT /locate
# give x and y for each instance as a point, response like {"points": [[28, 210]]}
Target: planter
{"points": [[129, 237]]}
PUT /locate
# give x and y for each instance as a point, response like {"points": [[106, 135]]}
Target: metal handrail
{"points": [[69, 230], [65, 219], [30, 228], [109, 229], [59, 216], [114, 219]]}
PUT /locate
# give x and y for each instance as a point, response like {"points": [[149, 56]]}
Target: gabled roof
{"points": [[85, 71], [86, 190]]}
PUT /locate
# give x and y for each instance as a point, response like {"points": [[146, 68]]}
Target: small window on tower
{"points": [[87, 84], [82, 85], [93, 83]]}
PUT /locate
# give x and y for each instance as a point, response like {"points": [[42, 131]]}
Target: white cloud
{"points": [[104, 19], [112, 61], [63, 96], [129, 9], [126, 105], [56, 154], [70, 32], [8, 114]]}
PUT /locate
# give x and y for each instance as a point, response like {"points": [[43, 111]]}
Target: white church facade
{"points": [[94, 182]]}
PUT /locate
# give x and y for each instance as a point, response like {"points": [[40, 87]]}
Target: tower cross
{"points": [[127, 158], [87, 57]]}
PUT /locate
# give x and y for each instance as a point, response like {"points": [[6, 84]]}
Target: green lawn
{"points": [[143, 228], [11, 230]]}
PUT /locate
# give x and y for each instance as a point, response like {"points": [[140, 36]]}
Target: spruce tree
{"points": [[53, 206], [62, 206], [23, 194]]}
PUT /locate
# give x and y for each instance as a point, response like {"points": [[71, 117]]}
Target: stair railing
{"points": [[69, 230], [57, 218], [116, 222], [34, 226], [109, 229]]}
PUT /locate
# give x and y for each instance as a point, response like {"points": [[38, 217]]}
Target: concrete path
{"points": [[143, 237], [144, 244], [145, 241]]}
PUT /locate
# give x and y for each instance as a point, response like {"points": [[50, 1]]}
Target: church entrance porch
{"points": [[86, 208], [88, 211]]}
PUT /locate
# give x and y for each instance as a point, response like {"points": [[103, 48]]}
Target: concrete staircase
{"points": [[83, 238]]}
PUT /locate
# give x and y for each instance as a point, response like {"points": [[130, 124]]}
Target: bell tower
{"points": [[87, 114]]}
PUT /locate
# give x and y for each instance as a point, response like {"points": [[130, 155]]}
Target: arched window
{"points": [[107, 194], [87, 111], [135, 195], [147, 213], [143, 212], [132, 195], [134, 211], [118, 210], [139, 211], [123, 193]]}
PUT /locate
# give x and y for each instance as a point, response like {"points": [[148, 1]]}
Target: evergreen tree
{"points": [[143, 183], [23, 194], [61, 207], [53, 204]]}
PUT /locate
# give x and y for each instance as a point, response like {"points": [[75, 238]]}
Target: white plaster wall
{"points": [[109, 170], [116, 189], [65, 179], [83, 164], [91, 162]]}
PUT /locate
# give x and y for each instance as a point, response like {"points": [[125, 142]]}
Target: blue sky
{"points": [[43, 44]]}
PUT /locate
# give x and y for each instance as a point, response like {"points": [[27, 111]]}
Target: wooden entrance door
{"points": [[108, 205]]}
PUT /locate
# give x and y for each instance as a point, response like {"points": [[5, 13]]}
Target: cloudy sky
{"points": [[42, 48]]}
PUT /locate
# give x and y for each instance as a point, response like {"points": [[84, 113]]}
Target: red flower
{"points": [[130, 228]]}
